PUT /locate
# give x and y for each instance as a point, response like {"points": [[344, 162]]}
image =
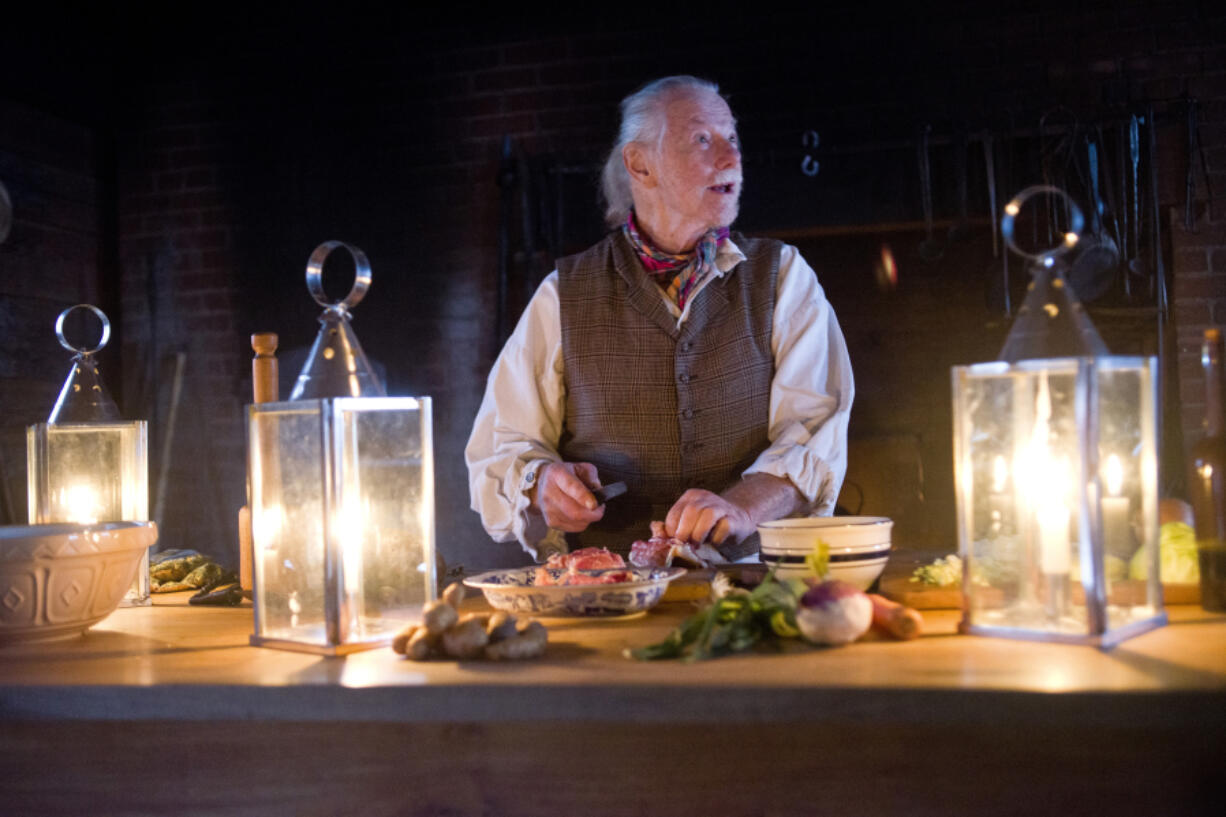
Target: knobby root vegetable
{"points": [[482, 618], [443, 631], [501, 625], [421, 645], [454, 594], [528, 642], [401, 639], [438, 616], [833, 613], [467, 639], [895, 619]]}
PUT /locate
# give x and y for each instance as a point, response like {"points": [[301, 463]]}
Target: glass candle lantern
{"points": [[1055, 467], [85, 464], [341, 490]]}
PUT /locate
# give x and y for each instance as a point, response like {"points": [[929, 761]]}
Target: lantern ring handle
{"points": [[1076, 225], [83, 350], [314, 276]]}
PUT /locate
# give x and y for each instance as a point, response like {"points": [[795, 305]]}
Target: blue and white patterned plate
{"points": [[515, 591]]}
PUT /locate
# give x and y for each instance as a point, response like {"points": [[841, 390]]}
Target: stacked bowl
{"points": [[859, 546]]}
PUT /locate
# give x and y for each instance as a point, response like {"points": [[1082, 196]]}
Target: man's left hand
{"points": [[700, 516]]}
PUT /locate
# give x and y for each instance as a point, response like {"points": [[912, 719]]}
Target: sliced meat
{"points": [[662, 550]]}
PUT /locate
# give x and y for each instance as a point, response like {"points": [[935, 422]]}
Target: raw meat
{"points": [[662, 550], [584, 559]]}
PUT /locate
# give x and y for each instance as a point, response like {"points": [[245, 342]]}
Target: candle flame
{"points": [[1000, 474], [81, 504], [1115, 475]]}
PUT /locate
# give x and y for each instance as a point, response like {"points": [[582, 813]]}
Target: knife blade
{"points": [[608, 492]]}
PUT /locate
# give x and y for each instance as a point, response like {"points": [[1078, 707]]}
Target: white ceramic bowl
{"points": [[859, 546], [515, 591], [56, 581]]}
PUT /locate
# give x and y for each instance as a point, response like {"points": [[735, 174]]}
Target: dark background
{"points": [[177, 166]]}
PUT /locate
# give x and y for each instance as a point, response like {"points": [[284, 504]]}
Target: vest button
{"points": [[688, 414], [687, 346], [684, 377]]}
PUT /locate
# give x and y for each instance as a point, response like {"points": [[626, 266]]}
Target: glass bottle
{"points": [[1207, 480]]}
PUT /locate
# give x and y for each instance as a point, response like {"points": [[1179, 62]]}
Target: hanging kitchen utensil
{"points": [[929, 249], [1158, 282], [1136, 267], [1057, 149], [1110, 215], [1195, 150], [1093, 271], [989, 165], [6, 213], [1189, 220], [961, 229]]}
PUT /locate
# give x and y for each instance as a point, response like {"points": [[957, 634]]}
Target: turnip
{"points": [[833, 612]]}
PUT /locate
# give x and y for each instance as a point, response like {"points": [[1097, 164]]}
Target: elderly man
{"points": [[704, 369]]}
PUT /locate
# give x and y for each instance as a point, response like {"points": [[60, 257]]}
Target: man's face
{"points": [[699, 162]]}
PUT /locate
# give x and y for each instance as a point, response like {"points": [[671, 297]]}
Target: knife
{"points": [[608, 492]]}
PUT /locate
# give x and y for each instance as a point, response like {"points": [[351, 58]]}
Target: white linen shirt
{"points": [[520, 421]]}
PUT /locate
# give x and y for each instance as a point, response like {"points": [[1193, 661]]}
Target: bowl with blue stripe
{"points": [[859, 546]]}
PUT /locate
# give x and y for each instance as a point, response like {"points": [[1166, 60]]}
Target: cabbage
{"points": [[1178, 562]]}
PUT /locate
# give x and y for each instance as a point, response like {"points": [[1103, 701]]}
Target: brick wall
{"points": [[55, 256], [230, 170]]}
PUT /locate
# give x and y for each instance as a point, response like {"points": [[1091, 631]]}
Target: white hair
{"points": [[642, 121]]}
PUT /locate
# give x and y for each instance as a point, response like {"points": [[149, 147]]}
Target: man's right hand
{"points": [[563, 495]]}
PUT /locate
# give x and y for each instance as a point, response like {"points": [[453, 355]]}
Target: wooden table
{"points": [[166, 709]]}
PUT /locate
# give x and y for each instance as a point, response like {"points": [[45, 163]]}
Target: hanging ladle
{"points": [[1093, 272], [929, 249]]}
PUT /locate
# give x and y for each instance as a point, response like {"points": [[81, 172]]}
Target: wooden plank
{"points": [[619, 770]]}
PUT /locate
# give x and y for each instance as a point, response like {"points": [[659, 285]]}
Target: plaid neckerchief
{"points": [[678, 274]]}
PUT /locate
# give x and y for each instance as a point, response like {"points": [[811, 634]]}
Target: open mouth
{"points": [[723, 188]]}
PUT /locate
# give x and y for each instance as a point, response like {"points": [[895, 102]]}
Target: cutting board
{"points": [[695, 585], [923, 597], [920, 596]]}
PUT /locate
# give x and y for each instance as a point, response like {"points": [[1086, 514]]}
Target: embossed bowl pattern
{"points": [[56, 581]]}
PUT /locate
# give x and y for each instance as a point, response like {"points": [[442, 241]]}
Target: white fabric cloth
{"points": [[520, 421]]}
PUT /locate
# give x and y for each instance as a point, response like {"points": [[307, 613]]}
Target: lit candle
{"points": [[1047, 482], [998, 500], [1053, 538], [1053, 518], [1117, 533]]}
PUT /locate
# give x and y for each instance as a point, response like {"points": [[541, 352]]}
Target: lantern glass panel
{"points": [[1056, 473], [342, 501], [90, 472]]}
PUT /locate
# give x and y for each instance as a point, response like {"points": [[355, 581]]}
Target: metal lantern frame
{"points": [[85, 464], [1056, 472], [341, 491]]}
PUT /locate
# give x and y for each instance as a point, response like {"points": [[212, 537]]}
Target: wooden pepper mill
{"points": [[264, 389]]}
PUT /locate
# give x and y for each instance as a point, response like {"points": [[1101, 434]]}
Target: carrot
{"points": [[895, 619]]}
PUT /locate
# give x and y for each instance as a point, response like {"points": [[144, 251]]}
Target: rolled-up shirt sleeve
{"points": [[518, 425], [812, 391]]}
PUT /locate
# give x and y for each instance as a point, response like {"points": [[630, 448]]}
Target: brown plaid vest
{"points": [[663, 409]]}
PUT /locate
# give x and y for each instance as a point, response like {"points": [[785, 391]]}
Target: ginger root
{"points": [[443, 631], [466, 639], [528, 642]]}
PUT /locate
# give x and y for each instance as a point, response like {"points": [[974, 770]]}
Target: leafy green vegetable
{"points": [[942, 572], [1178, 561], [739, 618]]}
